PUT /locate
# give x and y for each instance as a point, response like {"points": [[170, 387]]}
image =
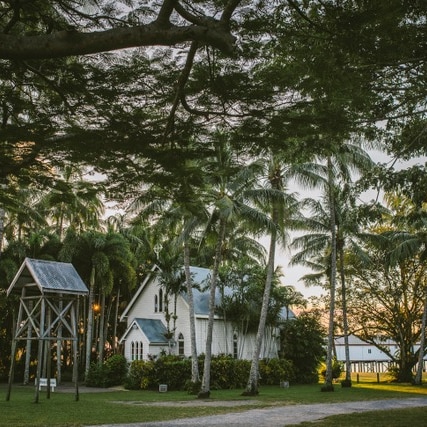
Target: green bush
{"points": [[302, 341], [229, 373], [110, 373], [337, 368], [140, 375], [226, 373], [192, 387], [97, 375], [273, 371], [117, 367], [173, 371]]}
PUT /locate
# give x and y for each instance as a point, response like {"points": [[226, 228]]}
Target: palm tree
{"points": [[230, 182], [318, 241], [19, 216], [178, 214], [101, 259], [172, 280], [336, 166], [283, 207], [72, 201]]}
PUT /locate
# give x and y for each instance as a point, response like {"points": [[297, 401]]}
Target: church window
{"points": [[181, 344], [235, 347]]}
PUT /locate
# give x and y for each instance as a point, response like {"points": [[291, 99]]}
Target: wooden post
{"points": [[40, 349], [13, 349], [11, 369], [48, 352], [74, 317]]}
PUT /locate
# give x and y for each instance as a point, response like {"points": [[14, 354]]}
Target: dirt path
{"points": [[280, 416]]}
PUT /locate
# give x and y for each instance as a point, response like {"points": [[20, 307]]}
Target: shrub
{"points": [[273, 371], [97, 375], [302, 342], [337, 368], [140, 375], [192, 387], [173, 371], [226, 373], [117, 368], [110, 373]]}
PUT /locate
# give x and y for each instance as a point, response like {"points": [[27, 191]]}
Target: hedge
{"points": [[226, 372]]}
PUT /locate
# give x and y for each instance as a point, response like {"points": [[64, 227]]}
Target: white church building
{"points": [[149, 333]]}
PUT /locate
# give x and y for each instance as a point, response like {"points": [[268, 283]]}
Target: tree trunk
{"points": [[2, 217], [329, 356], [107, 319], [345, 320], [101, 338], [195, 378], [252, 385], [116, 317], [419, 375], [205, 389], [89, 326]]}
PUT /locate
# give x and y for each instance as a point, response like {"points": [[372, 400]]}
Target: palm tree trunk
{"points": [[252, 385], [101, 338], [418, 377], [116, 316], [2, 217], [195, 378], [329, 355], [89, 326], [107, 319], [205, 388], [345, 320]]}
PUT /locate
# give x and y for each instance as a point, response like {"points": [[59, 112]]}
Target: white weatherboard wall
{"points": [[143, 307]]}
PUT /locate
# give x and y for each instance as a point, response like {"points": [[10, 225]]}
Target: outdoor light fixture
{"points": [[157, 249]]}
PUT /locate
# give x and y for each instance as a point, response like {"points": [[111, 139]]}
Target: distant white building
{"points": [[147, 333], [364, 356]]}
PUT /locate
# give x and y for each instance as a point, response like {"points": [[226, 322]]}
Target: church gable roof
{"points": [[201, 279], [153, 329]]}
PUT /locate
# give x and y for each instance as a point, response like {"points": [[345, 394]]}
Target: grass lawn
{"points": [[141, 406]]}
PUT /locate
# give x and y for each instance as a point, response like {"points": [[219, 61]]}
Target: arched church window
{"points": [[181, 344], [235, 346], [161, 300]]}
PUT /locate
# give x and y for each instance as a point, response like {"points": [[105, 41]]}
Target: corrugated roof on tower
{"points": [[47, 277]]}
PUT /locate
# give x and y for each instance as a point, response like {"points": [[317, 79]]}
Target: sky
{"points": [[292, 275]]}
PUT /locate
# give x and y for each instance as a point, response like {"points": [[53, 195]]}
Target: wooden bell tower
{"points": [[48, 313]]}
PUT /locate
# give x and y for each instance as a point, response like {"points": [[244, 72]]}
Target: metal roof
{"points": [[153, 329], [202, 276], [40, 276]]}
